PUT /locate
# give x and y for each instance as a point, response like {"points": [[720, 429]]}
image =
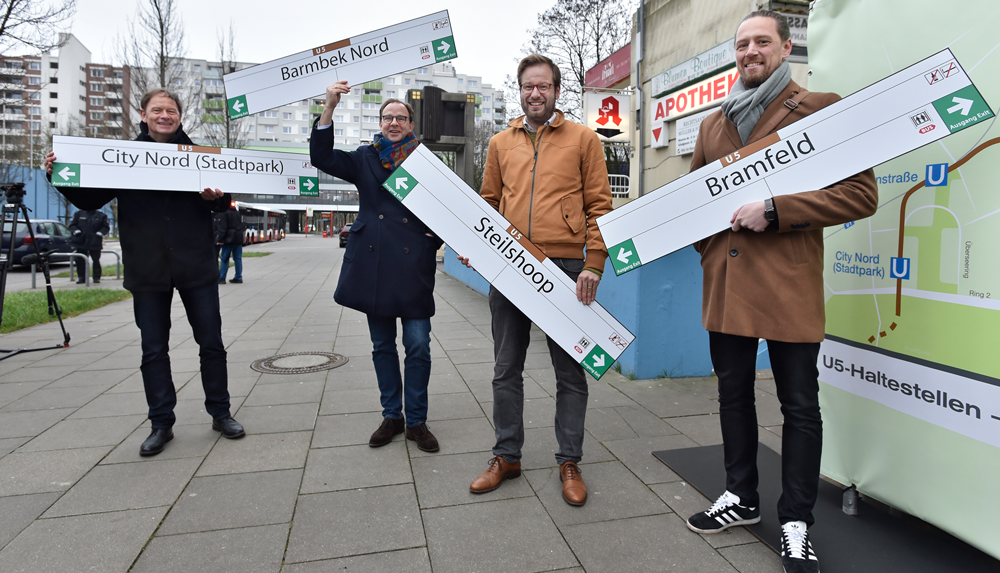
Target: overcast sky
{"points": [[488, 35]]}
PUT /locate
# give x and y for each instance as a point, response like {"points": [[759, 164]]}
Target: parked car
{"points": [[344, 234], [48, 234]]}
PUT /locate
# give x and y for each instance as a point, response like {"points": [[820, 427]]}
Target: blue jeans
{"points": [[237, 252], [511, 335], [152, 316], [417, 365]]}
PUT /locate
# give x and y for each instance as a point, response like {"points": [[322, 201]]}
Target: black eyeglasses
{"points": [[542, 88], [401, 119]]}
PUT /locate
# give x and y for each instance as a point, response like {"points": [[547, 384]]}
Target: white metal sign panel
{"points": [[505, 258], [911, 108], [111, 164], [413, 44]]}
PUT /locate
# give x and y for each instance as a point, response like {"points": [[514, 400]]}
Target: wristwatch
{"points": [[769, 213]]}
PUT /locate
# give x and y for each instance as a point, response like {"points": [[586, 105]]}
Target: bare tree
{"points": [[153, 50], [221, 130], [485, 130], [577, 34], [32, 24]]}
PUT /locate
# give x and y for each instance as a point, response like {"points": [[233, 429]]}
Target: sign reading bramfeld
{"points": [[377, 54], [511, 263], [911, 108], [109, 164]]}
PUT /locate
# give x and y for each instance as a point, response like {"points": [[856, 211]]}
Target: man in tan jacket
{"points": [[548, 177], [764, 279]]}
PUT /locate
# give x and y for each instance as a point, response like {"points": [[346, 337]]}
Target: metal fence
{"points": [[619, 185]]}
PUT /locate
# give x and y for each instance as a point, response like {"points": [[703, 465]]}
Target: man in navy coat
{"points": [[389, 265]]}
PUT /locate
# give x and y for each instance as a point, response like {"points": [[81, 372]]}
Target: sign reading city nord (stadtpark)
{"points": [[110, 164], [413, 44], [907, 110], [508, 261]]}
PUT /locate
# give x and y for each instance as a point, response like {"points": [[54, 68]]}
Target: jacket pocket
{"points": [[353, 240], [572, 212], [800, 254]]}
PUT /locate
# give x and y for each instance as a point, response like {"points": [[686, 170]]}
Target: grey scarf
{"points": [[744, 106]]}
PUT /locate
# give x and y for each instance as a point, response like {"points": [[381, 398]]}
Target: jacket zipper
{"points": [[534, 166]]}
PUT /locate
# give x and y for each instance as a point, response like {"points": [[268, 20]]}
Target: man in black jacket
{"points": [[230, 237], [88, 228], [167, 243]]}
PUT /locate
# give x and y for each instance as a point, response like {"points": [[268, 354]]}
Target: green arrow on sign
{"points": [[624, 257], [238, 107], [597, 362], [963, 109], [308, 186], [65, 174], [400, 183], [444, 49]]}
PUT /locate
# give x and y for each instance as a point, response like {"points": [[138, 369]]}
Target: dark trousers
{"points": [[152, 316], [417, 367], [796, 379], [81, 265], [511, 330]]}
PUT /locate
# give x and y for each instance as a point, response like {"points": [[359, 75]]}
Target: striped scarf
{"points": [[392, 154]]}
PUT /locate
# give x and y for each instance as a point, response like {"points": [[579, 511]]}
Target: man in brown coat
{"points": [[764, 279]]}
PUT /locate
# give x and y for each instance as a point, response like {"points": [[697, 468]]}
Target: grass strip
{"points": [[22, 309]]}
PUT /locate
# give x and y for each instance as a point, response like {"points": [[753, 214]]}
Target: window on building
{"points": [[36, 110], [355, 132], [422, 71], [197, 83], [371, 133], [305, 117], [35, 96], [53, 80], [13, 64], [252, 128], [305, 131], [356, 91], [197, 67], [473, 83], [460, 81], [13, 95], [286, 129], [357, 118], [97, 115], [268, 129], [36, 126], [215, 69], [53, 95], [486, 99], [98, 101], [406, 81], [178, 67], [176, 82], [338, 118], [34, 80], [34, 65], [371, 118], [119, 74], [96, 72], [356, 104], [422, 83], [54, 65], [52, 125], [271, 113], [338, 132], [97, 87], [287, 115], [390, 93], [53, 110], [391, 81]]}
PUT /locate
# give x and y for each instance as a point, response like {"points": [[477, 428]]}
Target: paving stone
{"points": [[117, 404], [350, 402], [86, 543], [257, 453], [292, 392], [685, 501], [704, 430], [188, 442], [653, 543], [354, 522], [192, 412], [12, 391], [85, 433], [352, 381], [346, 429], [503, 535], [351, 467], [459, 436], [282, 418], [19, 511], [116, 487], [607, 424], [448, 382], [47, 399], [637, 456], [102, 378], [32, 373], [228, 502], [453, 407], [193, 390], [753, 558], [644, 423], [30, 423], [770, 438], [247, 550], [8, 445], [471, 342], [612, 493], [540, 448], [472, 356], [405, 561], [445, 480], [678, 397]]}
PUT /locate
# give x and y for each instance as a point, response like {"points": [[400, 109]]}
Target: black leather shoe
{"points": [[426, 442], [156, 441], [81, 282], [229, 427], [236, 281], [389, 428]]}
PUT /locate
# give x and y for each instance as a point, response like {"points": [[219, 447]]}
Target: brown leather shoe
{"points": [[422, 435], [494, 475], [389, 428], [574, 490]]}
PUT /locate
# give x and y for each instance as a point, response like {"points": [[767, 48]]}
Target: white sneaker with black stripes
{"points": [[797, 555], [726, 512]]}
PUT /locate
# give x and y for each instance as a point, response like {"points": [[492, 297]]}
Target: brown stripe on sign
{"points": [[199, 149], [524, 242], [331, 47], [750, 149]]}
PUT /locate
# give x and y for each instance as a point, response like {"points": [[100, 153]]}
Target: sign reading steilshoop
{"points": [[413, 44], [911, 108], [110, 164], [511, 263]]}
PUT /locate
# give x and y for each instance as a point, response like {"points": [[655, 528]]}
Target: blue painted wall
{"points": [[463, 274]]}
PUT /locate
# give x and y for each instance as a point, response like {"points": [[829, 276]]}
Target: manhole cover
{"points": [[299, 363]]}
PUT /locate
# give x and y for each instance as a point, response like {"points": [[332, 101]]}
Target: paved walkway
{"points": [[303, 492]]}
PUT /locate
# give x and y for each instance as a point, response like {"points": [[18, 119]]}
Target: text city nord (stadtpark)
{"points": [[202, 162]]}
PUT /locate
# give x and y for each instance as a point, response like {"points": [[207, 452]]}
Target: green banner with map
{"points": [[910, 372]]}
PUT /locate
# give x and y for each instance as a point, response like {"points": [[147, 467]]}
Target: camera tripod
{"points": [[12, 207]]}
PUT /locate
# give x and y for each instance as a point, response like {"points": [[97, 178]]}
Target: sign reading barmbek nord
{"points": [[511, 263], [413, 44], [110, 164], [911, 108]]}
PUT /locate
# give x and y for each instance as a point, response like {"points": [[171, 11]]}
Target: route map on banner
{"points": [[420, 42], [112, 164], [508, 261], [905, 111]]}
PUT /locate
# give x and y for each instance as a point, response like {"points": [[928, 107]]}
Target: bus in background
{"points": [[261, 225]]}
